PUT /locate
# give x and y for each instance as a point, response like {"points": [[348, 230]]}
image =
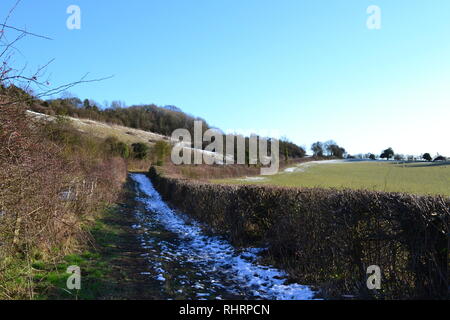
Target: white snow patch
{"points": [[253, 179], [160, 277]]}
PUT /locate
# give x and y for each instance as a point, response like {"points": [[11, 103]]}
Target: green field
{"points": [[417, 178]]}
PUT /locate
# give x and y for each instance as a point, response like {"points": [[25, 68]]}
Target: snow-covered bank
{"points": [[302, 167], [208, 266]]}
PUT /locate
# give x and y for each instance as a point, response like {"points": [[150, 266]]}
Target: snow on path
{"points": [[216, 261]]}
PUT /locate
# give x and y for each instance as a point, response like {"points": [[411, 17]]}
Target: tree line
{"points": [[328, 149], [389, 154], [153, 118]]}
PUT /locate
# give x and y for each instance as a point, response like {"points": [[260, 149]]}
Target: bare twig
{"points": [[2, 32], [24, 32]]}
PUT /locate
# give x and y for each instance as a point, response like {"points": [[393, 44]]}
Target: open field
{"points": [[417, 177]]}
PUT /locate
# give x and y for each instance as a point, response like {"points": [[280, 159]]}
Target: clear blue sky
{"points": [[310, 70]]}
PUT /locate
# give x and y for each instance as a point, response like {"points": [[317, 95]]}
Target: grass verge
{"points": [[111, 267]]}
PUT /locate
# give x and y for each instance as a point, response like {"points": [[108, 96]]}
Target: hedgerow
{"points": [[328, 237]]}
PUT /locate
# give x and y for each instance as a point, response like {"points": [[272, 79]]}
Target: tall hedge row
{"points": [[330, 237]]}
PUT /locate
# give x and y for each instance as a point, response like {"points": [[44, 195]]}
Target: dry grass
{"points": [[103, 130]]}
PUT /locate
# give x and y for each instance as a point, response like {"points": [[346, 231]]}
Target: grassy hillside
{"points": [[104, 130], [417, 178]]}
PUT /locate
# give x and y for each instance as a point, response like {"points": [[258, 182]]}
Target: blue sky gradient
{"points": [[309, 70]]}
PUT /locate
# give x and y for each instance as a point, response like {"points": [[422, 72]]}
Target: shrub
{"points": [[123, 150], [427, 157], [161, 150], [117, 148], [140, 150], [440, 158]]}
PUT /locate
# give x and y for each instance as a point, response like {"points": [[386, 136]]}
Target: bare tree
{"points": [[317, 149]]}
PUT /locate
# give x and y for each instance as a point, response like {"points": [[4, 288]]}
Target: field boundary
{"points": [[328, 237]]}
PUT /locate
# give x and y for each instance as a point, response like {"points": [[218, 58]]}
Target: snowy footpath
{"points": [[190, 264]]}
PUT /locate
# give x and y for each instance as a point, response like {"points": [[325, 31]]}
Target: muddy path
{"points": [[118, 245]]}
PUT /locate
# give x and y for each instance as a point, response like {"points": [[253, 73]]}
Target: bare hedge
{"points": [[329, 237]]}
